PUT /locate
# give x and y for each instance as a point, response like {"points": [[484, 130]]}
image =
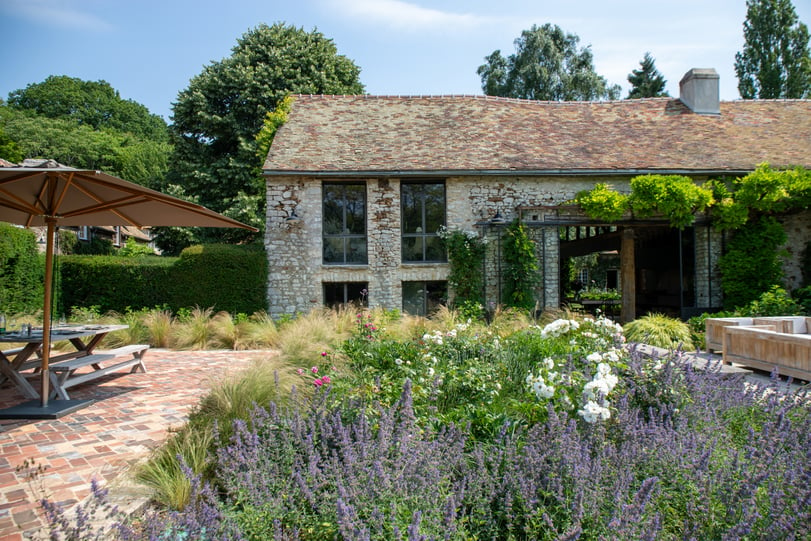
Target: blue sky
{"points": [[149, 49]]}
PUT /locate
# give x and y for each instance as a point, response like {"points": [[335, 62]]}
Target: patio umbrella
{"points": [[51, 195]]}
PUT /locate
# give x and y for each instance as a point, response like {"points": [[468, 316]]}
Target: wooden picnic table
{"points": [[13, 362]]}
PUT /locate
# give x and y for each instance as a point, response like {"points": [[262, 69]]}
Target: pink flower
{"points": [[314, 370], [300, 371], [325, 380], [323, 353], [317, 382]]}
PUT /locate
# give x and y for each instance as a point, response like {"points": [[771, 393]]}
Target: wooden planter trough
{"points": [[767, 343]]}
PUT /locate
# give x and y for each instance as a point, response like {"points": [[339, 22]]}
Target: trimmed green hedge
{"points": [[21, 271], [222, 277]]}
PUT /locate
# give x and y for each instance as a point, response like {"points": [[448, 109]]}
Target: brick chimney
{"points": [[698, 90]]}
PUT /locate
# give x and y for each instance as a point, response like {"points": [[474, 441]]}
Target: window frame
{"points": [[424, 234], [426, 294], [345, 237], [363, 301]]}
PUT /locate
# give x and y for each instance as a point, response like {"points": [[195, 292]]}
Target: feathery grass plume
{"points": [[265, 380], [303, 339], [406, 328], [230, 332], [159, 323], [163, 472], [507, 321], [661, 331], [262, 331], [194, 330]]}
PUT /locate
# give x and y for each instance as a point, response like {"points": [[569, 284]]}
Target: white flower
{"points": [[593, 412], [594, 357], [430, 371], [549, 363], [596, 388], [398, 361]]}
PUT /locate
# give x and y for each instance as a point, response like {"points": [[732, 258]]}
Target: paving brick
{"points": [[132, 415]]}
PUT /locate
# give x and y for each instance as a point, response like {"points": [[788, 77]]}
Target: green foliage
{"points": [[660, 331], [132, 157], [230, 278], [21, 271], [547, 65], [133, 248], [218, 116], [774, 302], [520, 267], [9, 149], [775, 61], [765, 191], [95, 104], [751, 265], [676, 197], [273, 121], [647, 82], [465, 251], [602, 203]]}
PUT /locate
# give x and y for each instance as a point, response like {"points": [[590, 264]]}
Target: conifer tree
{"points": [[647, 82]]}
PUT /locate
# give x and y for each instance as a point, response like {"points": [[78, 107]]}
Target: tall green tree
{"points": [[217, 117], [135, 158], [547, 65], [775, 60], [647, 82], [91, 103]]}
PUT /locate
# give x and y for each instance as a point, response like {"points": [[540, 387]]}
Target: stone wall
{"points": [[798, 231], [297, 275]]}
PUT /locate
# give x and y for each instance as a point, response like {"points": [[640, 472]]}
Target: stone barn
{"points": [[359, 186]]}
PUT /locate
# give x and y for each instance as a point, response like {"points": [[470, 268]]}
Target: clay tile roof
{"points": [[467, 134]]}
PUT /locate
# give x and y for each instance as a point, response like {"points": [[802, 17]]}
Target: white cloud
{"points": [[406, 15], [56, 13]]}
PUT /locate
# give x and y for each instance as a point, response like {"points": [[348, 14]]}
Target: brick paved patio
{"points": [[131, 416]]}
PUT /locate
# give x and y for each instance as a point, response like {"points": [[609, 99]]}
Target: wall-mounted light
{"points": [[498, 219], [292, 218]]}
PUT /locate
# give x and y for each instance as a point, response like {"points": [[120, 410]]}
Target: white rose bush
{"points": [[581, 377]]}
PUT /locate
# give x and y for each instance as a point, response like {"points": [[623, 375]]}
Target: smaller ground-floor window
{"points": [[422, 298], [339, 293]]}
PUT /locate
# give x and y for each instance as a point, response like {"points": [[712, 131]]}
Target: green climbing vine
{"points": [[520, 267], [466, 260]]}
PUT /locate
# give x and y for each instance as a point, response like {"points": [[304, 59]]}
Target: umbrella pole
{"points": [[46, 311]]}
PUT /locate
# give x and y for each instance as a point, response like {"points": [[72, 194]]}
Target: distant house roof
{"points": [[349, 135]]}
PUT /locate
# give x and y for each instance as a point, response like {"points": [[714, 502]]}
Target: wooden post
{"points": [[627, 276]]}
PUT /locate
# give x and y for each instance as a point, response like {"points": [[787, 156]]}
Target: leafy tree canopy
{"points": [[218, 116], [547, 65], [647, 82], [138, 159], [92, 103], [775, 60]]}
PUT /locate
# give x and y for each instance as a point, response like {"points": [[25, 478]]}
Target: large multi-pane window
{"points": [[345, 223], [423, 298], [423, 213], [341, 293]]}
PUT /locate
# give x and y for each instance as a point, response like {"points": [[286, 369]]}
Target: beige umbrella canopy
{"points": [[51, 195]]}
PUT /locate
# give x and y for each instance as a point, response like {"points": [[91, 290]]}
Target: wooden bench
{"points": [[63, 374]]}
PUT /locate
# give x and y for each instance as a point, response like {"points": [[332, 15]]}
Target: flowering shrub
{"points": [[582, 376], [465, 258]]}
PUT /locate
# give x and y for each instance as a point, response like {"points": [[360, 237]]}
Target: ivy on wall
{"points": [[520, 267], [465, 260]]}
